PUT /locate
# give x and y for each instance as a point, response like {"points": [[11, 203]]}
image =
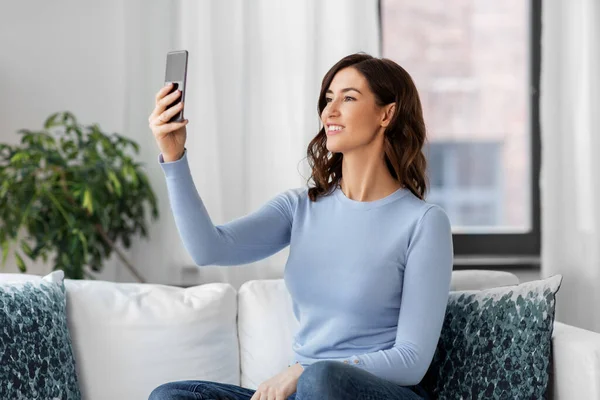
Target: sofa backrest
{"points": [[266, 323], [130, 338]]}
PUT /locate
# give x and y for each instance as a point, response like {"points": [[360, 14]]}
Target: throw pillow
{"points": [[496, 343], [36, 359]]}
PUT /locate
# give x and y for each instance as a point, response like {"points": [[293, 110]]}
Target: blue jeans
{"points": [[323, 380]]}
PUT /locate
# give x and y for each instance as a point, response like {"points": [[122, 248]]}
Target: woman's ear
{"points": [[388, 114]]}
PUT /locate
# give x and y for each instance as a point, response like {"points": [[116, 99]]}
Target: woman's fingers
{"points": [[168, 114], [160, 131], [165, 101], [162, 104], [162, 92], [256, 396], [163, 95]]}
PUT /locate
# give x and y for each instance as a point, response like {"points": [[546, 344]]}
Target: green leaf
{"points": [[20, 262], [87, 201], [115, 181], [4, 188], [68, 217], [109, 186], [51, 121], [38, 248], [4, 251], [69, 116], [18, 157], [136, 147], [85, 245], [26, 249], [48, 140], [129, 171]]}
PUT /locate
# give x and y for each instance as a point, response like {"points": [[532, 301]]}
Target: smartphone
{"points": [[176, 73]]}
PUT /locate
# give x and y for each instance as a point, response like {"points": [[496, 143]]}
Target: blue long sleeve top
{"points": [[369, 281]]}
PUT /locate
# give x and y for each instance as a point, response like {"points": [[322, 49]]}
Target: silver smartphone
{"points": [[176, 73]]}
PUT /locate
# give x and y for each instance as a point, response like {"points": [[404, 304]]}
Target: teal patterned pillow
{"points": [[36, 359], [496, 343]]}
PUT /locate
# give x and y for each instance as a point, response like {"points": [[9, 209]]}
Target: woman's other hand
{"points": [[281, 386]]}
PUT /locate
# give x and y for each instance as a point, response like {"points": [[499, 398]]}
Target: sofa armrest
{"points": [[575, 363], [474, 279]]}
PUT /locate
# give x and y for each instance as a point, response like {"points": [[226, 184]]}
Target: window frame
{"points": [[522, 249]]}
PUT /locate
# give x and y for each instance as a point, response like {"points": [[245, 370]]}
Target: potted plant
{"points": [[74, 193]]}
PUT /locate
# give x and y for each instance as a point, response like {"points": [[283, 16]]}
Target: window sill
{"points": [[497, 262]]}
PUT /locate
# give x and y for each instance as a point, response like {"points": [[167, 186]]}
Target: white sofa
{"points": [[129, 338]]}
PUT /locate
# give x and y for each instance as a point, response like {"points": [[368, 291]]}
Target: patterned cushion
{"points": [[495, 343], [36, 360]]}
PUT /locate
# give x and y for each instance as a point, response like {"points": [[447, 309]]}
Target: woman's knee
{"points": [[163, 392], [176, 390], [321, 376]]}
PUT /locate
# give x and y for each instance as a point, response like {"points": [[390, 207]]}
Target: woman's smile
{"points": [[334, 129]]}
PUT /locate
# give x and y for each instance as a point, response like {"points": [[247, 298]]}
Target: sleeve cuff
{"points": [[161, 159], [354, 360], [175, 168]]}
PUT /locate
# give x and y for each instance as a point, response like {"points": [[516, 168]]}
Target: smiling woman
{"points": [[368, 107], [370, 261]]}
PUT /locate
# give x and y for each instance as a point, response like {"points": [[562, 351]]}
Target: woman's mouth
{"points": [[334, 129]]}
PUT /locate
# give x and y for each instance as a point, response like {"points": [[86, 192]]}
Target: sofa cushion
{"points": [[479, 279], [496, 343], [266, 327], [36, 357], [129, 338]]}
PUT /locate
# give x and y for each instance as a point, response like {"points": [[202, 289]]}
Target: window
{"points": [[476, 66], [466, 180]]}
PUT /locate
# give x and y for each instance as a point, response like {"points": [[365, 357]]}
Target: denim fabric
{"points": [[323, 380]]}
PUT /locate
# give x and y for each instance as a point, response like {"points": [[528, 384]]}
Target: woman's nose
{"points": [[332, 109]]}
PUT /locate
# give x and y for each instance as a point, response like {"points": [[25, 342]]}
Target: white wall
{"points": [[105, 62], [60, 56], [71, 55]]}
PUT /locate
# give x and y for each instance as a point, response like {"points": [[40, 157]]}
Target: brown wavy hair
{"points": [[404, 136]]}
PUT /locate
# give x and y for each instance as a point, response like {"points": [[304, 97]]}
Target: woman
{"points": [[370, 261]]}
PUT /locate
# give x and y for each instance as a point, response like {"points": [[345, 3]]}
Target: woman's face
{"points": [[351, 116]]}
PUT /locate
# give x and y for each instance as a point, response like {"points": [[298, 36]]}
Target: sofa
{"points": [[129, 338]]}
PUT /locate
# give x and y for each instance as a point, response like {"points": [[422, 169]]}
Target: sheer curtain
{"points": [[254, 74], [570, 179]]}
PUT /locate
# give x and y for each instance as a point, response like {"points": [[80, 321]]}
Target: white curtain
{"points": [[254, 74], [570, 175]]}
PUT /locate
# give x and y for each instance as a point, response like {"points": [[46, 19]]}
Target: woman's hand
{"points": [[281, 386], [170, 136]]}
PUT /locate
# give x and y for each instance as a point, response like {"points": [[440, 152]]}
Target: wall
{"points": [[69, 55]]}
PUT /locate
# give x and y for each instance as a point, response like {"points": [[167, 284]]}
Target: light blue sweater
{"points": [[369, 280]]}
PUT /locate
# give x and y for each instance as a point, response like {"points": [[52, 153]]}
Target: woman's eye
{"points": [[346, 98]]}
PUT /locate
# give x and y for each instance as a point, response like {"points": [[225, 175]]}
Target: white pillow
{"points": [[266, 328], [18, 277], [129, 338], [473, 279]]}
